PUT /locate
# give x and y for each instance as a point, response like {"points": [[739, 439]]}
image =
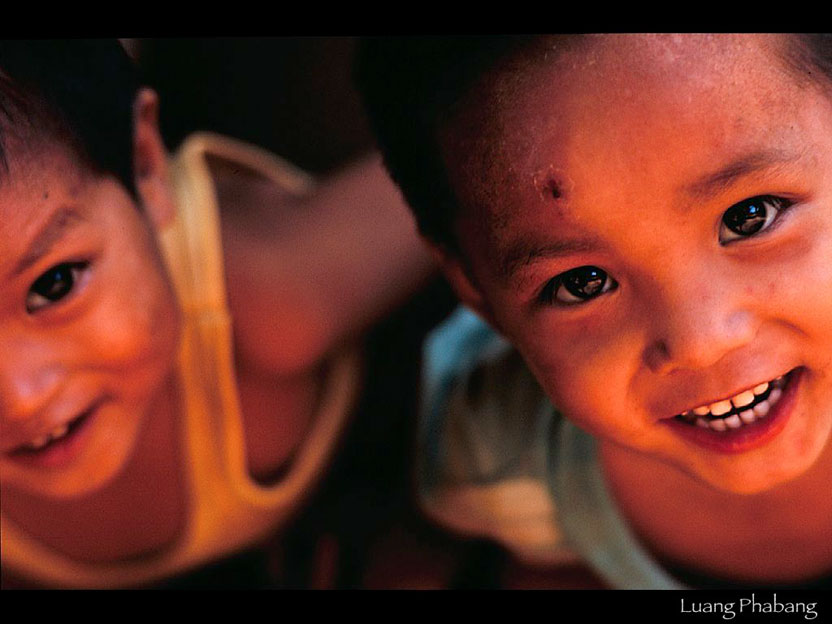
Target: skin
{"points": [[111, 341], [631, 131]]}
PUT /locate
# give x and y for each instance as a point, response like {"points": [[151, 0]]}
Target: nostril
{"points": [[657, 356]]}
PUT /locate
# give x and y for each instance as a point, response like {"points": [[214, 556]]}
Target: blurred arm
{"points": [[306, 275]]}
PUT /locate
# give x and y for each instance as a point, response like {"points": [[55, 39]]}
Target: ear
{"points": [[150, 160], [461, 281]]}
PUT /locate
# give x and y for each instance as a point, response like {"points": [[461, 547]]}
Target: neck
{"points": [[779, 537]]}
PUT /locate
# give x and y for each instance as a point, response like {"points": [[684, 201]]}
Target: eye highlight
{"points": [[750, 216], [577, 286], [54, 285]]}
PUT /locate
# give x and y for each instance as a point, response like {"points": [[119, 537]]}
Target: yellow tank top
{"points": [[227, 510]]}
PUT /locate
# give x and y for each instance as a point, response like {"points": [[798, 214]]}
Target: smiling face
{"points": [[88, 326], [649, 220]]}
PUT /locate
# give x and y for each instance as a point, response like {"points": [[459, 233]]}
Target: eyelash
{"points": [[549, 294], [778, 204], [36, 302]]}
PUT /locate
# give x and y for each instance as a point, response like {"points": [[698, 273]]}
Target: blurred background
{"points": [[294, 97], [291, 95]]}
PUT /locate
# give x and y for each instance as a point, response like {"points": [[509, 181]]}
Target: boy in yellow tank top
{"points": [[174, 375]]}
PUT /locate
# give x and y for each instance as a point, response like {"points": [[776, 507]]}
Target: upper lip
{"points": [[688, 405]]}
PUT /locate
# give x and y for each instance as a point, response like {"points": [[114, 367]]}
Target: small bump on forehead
{"points": [[548, 186], [495, 156]]}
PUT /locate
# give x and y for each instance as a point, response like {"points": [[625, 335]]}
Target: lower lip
{"points": [[61, 452], [747, 437]]}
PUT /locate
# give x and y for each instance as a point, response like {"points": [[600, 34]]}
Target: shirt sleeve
{"points": [[484, 438]]}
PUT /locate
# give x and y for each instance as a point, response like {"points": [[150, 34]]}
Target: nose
{"points": [[30, 376], [696, 322]]}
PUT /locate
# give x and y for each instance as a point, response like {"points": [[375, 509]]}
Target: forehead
{"points": [[603, 118], [44, 195], [35, 178]]}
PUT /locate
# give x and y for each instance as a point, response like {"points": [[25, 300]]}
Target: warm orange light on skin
{"points": [[649, 140], [109, 344]]}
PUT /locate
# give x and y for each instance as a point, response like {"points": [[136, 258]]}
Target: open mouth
{"points": [[42, 447], [741, 410], [744, 421]]}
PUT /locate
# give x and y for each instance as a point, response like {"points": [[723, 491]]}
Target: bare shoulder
{"points": [[266, 242], [310, 271]]}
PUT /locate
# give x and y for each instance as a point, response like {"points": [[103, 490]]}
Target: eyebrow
{"points": [[524, 253], [723, 178], [63, 219]]}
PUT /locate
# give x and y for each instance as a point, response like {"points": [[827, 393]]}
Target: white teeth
{"points": [[761, 388], [746, 397], [718, 424], [733, 422], [721, 407], [743, 399], [40, 442], [748, 416], [761, 409]]}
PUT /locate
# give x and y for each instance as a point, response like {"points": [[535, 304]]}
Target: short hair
{"points": [[77, 92], [411, 85]]}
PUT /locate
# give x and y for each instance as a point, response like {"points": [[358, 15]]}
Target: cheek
{"points": [[799, 292], [134, 326], [586, 371]]}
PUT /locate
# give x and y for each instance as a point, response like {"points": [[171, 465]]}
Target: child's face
{"points": [[649, 220], [88, 326]]}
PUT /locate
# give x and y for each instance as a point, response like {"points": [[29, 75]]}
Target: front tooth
{"points": [[733, 422], [701, 422], [743, 399], [40, 442], [720, 408], [748, 416], [701, 411], [718, 425], [761, 388], [775, 396]]}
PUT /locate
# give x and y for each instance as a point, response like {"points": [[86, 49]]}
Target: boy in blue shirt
{"points": [[646, 220]]}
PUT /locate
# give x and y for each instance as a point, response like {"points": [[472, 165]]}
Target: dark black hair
{"points": [[410, 86], [77, 92]]}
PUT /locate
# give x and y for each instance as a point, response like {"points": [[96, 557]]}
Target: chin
{"points": [[85, 461], [747, 483], [760, 472]]}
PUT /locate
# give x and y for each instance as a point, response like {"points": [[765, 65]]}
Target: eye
{"points": [[750, 216], [53, 285], [577, 286]]}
